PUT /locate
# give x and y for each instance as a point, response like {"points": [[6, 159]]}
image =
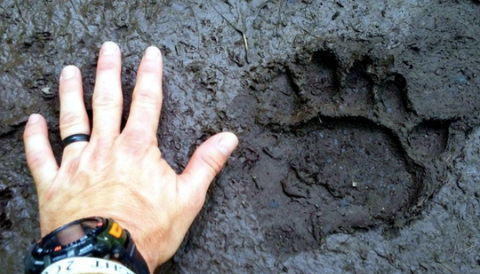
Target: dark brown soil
{"points": [[357, 124]]}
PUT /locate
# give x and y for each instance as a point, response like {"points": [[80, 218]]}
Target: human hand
{"points": [[120, 174]]}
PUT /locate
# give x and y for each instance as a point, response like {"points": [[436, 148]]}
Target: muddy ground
{"points": [[358, 123]]}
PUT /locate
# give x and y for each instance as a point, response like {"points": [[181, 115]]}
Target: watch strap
{"points": [[133, 259]]}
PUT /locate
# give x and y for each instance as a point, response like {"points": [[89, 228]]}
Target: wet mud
{"points": [[333, 128], [357, 124]]}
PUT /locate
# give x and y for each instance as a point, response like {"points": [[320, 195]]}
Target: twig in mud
{"points": [[438, 260], [454, 253], [245, 43], [241, 29], [73, 6], [257, 185], [198, 29], [470, 248], [260, 9], [309, 33], [242, 26], [447, 268], [448, 158]]}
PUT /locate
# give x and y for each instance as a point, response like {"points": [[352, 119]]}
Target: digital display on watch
{"points": [[72, 234], [69, 234]]}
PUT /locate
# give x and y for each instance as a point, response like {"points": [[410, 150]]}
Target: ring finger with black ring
{"points": [[74, 125]]}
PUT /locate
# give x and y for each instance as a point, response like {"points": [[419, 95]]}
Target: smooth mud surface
{"points": [[358, 125]]}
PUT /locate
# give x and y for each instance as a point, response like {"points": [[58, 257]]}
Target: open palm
{"points": [[120, 174]]}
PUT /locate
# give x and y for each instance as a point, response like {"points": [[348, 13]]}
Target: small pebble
{"points": [[46, 91], [273, 204]]}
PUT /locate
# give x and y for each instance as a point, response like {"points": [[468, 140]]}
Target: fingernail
{"points": [[68, 72], [33, 118], [152, 53], [109, 48], [227, 144]]}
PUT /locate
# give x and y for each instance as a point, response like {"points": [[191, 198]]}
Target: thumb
{"points": [[207, 160]]}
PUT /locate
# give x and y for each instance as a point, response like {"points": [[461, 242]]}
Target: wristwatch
{"points": [[89, 237]]}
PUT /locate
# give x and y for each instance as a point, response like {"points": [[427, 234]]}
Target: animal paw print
{"points": [[331, 144]]}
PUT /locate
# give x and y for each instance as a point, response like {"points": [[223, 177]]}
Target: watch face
{"points": [[70, 233], [90, 237]]}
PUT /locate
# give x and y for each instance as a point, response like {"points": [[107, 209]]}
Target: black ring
{"points": [[75, 138]]}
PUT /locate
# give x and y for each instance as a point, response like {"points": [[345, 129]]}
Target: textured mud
{"points": [[358, 125]]}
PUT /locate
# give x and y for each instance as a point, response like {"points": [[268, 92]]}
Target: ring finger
{"points": [[73, 116]]}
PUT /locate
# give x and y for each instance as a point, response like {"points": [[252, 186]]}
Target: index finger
{"points": [[147, 96]]}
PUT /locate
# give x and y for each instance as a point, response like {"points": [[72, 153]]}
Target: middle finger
{"points": [[107, 96]]}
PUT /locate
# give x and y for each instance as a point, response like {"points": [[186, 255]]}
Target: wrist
{"points": [[89, 237], [146, 244]]}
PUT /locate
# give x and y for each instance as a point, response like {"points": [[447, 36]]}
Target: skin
{"points": [[120, 174]]}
